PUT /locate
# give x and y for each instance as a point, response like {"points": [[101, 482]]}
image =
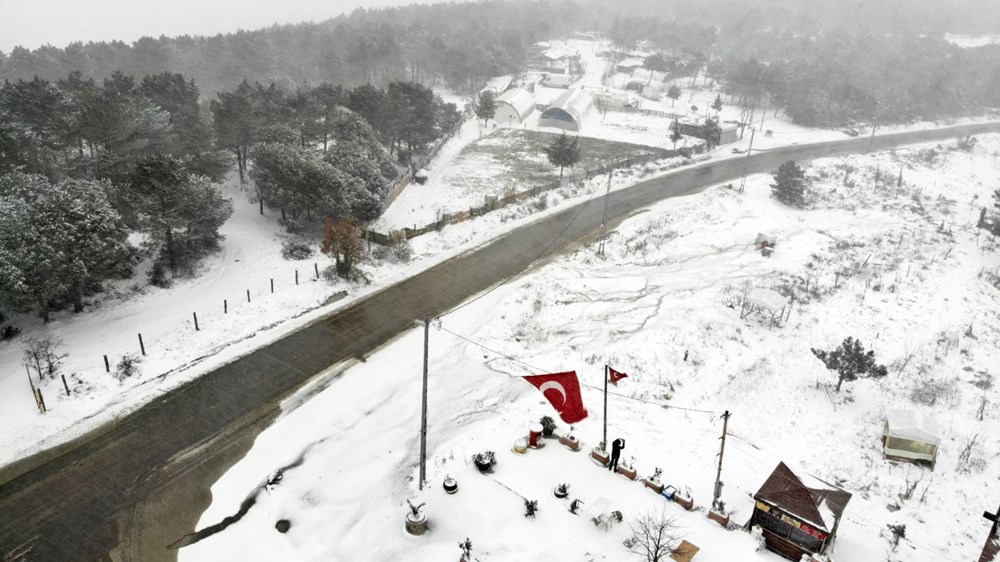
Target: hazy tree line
{"points": [[462, 44]]}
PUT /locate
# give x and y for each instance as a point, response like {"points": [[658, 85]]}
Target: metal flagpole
{"points": [[606, 408], [423, 409]]}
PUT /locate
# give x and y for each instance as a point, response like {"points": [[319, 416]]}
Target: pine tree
{"points": [[713, 133], [563, 152], [674, 93], [486, 106], [717, 104], [789, 185], [850, 361], [675, 133]]}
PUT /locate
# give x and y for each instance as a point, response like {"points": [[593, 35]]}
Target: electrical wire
{"points": [[545, 250]]}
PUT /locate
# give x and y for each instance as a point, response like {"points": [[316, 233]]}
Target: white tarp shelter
{"points": [[514, 106], [911, 436]]}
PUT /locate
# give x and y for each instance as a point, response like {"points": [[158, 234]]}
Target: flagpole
{"points": [[605, 408]]}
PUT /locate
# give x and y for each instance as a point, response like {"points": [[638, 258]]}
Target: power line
{"points": [[534, 259], [541, 370]]}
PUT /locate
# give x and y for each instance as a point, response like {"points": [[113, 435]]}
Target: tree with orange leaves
{"points": [[343, 243]]}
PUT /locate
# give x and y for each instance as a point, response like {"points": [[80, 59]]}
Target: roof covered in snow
{"points": [[498, 84], [575, 102], [909, 424], [807, 498], [520, 99]]}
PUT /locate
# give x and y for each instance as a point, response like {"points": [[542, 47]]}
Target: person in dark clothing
{"points": [[616, 450]]}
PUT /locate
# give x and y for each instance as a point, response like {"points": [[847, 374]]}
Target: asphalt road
{"points": [[126, 491]]}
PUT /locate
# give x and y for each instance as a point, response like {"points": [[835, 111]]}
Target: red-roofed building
{"points": [[798, 515]]}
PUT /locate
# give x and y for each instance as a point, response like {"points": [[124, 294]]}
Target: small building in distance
{"points": [[567, 111], [699, 130], [910, 436], [558, 80], [514, 106], [798, 515]]}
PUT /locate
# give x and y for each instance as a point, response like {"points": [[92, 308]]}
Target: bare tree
{"points": [[42, 356], [652, 536]]}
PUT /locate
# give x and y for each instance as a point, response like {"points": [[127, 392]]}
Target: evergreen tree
{"points": [[717, 104], [674, 93], [850, 361], [182, 213], [675, 132], [713, 133], [56, 242], [486, 106], [563, 152], [789, 185]]}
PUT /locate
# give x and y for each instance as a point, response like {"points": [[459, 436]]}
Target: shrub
{"points": [[127, 367], [293, 250]]}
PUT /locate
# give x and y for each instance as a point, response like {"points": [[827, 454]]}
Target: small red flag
{"points": [[563, 391], [615, 376]]}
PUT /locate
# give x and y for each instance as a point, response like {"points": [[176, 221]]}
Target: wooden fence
{"points": [[494, 202]]}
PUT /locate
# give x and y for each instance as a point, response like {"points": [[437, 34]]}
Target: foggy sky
{"points": [[32, 23]]}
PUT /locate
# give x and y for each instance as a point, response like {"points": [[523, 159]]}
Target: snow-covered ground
{"points": [[899, 266]]}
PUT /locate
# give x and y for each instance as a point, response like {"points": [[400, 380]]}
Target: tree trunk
{"points": [[78, 299], [840, 381], [560, 174], [169, 237], [260, 201]]}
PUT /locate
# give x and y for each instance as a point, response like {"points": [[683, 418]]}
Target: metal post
{"points": [[423, 408], [605, 434], [746, 162], [722, 449], [604, 223]]}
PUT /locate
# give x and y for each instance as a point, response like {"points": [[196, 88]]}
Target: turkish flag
{"points": [[563, 391], [615, 376]]}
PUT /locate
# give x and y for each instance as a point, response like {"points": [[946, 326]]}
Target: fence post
{"points": [[296, 277], [272, 286], [107, 364], [225, 306], [142, 346], [316, 267], [195, 314], [66, 386], [40, 400], [248, 295]]}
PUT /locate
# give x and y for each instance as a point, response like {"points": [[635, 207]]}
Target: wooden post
{"points": [[316, 267], [107, 364], [225, 306], [66, 386], [248, 295], [195, 314], [722, 449], [296, 277], [142, 346], [272, 286], [40, 400]]}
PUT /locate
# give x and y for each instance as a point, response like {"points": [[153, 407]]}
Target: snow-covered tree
{"points": [[674, 93], [57, 241], [486, 106], [563, 152], [343, 243], [850, 361], [675, 132], [789, 185]]}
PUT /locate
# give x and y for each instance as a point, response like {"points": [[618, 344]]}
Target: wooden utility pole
{"points": [[605, 435], [992, 546], [423, 408], [746, 162], [604, 223], [717, 493]]}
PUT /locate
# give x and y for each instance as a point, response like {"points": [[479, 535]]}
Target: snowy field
{"points": [[898, 265]]}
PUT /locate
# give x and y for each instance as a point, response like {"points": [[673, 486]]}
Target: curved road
{"points": [[128, 490]]}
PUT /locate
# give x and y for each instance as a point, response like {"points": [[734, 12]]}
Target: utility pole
{"points": [[746, 162], [423, 409], [722, 449], [871, 140], [604, 224], [992, 546], [605, 435]]}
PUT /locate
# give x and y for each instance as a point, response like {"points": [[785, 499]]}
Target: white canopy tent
{"points": [[910, 436]]}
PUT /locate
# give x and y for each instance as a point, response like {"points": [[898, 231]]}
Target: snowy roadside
{"points": [[656, 308]]}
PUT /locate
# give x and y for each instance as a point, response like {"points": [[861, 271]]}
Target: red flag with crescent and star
{"points": [[563, 391], [615, 376]]}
